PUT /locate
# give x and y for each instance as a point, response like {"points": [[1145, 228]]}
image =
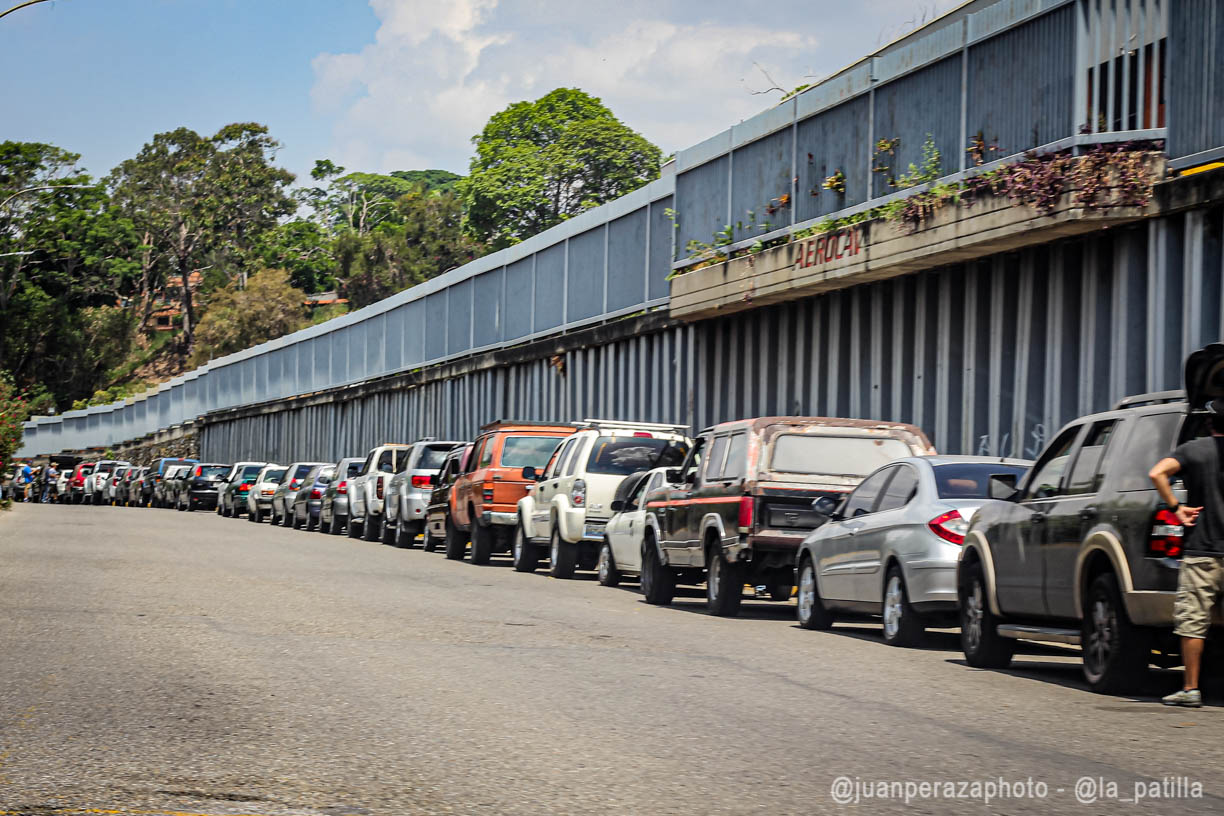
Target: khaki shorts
{"points": [[1198, 589]]}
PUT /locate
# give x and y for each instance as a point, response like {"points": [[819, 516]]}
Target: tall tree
{"points": [[539, 163], [195, 197], [237, 318]]}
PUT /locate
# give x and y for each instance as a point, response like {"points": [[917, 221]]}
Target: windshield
{"points": [[352, 469], [274, 475], [249, 472], [214, 470], [976, 481], [433, 457], [620, 456], [528, 451], [301, 471], [834, 455]]}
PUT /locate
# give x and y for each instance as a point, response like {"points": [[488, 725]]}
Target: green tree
{"points": [[422, 239], [194, 198], [539, 163], [13, 412], [238, 318], [441, 181], [303, 249]]}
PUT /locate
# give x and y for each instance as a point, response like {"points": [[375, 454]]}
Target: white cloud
{"points": [[677, 72]]}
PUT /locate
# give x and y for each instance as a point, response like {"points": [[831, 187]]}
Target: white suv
{"points": [[369, 487], [96, 483], [570, 505]]}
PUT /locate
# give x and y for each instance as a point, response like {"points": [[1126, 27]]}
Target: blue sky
{"points": [[379, 85]]}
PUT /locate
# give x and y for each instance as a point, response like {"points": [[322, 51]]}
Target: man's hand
{"points": [[1187, 515]]}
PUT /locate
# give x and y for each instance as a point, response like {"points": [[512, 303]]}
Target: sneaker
{"points": [[1191, 698]]}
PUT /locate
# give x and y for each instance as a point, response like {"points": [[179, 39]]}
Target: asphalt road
{"points": [[154, 662]]}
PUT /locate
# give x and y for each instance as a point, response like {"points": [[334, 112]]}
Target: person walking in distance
{"points": [[1201, 582]]}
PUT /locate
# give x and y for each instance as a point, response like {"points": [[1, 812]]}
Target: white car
{"points": [[97, 482], [368, 489], [624, 535], [63, 485], [569, 507], [259, 497]]}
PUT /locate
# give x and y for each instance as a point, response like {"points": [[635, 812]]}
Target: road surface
{"points": [[154, 662]]}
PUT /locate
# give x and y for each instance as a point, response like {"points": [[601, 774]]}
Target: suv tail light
{"points": [[316, 493], [487, 493], [420, 481], [378, 487], [1166, 537], [199, 471], [78, 481], [949, 526], [293, 485], [578, 494], [642, 435], [745, 512], [342, 488]]}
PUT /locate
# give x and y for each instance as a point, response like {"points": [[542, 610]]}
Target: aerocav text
{"points": [[825, 249]]}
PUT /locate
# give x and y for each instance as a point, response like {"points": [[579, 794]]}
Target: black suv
{"points": [[1085, 552]]}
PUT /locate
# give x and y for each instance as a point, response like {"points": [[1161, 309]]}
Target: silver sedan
{"points": [[890, 547]]}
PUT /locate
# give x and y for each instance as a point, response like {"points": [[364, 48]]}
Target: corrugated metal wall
{"points": [[1196, 110], [987, 357]]}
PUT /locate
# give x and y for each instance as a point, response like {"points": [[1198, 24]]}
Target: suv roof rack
{"points": [[489, 426], [632, 426], [1154, 398]]}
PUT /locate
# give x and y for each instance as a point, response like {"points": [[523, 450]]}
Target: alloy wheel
{"points": [[1101, 636], [974, 611], [894, 598], [807, 591]]}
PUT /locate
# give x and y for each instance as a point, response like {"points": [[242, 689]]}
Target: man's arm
{"points": [[1160, 477]]}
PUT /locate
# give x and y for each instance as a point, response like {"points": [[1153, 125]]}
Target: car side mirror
{"points": [[825, 506], [690, 477], [529, 473], [617, 506], [672, 475]]}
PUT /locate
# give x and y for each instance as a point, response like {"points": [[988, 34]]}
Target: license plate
{"points": [[593, 531]]}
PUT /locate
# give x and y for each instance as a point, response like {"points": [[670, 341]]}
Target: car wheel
{"points": [[658, 579], [781, 589], [189, 506], [562, 556], [980, 640], [524, 553], [430, 544], [724, 585], [405, 535], [482, 542], [902, 625], [370, 529], [336, 526], [296, 522], [456, 543], [289, 516], [257, 516], [387, 533], [311, 523], [353, 527], [609, 575], [810, 609], [1116, 653]]}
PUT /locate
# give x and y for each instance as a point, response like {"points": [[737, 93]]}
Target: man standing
{"points": [[1202, 569]]}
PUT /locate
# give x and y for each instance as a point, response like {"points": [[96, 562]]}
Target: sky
{"points": [[381, 85]]}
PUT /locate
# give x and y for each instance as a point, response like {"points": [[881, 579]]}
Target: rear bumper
{"points": [[489, 517], [414, 506]]}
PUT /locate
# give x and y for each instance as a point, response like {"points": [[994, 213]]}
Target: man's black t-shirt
{"points": [[1200, 470]]}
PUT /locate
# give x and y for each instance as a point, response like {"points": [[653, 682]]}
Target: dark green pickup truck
{"points": [[738, 508]]}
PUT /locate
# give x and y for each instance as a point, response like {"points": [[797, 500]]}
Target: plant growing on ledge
{"points": [[836, 183], [885, 148], [978, 149]]}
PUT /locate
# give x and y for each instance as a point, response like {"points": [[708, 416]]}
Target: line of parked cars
{"points": [[847, 517]]}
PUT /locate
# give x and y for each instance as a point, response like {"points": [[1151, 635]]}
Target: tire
{"points": [[386, 532], [336, 526], [1116, 652], [810, 609], [658, 579], [257, 516], [430, 544], [288, 517], [981, 643], [482, 542], [902, 625], [609, 575], [405, 539], [189, 507], [353, 528], [295, 522], [724, 585], [370, 529], [781, 589], [525, 554], [456, 544], [562, 556], [311, 522]]}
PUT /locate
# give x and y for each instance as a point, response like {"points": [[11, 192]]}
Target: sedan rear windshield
{"points": [[301, 471], [275, 475], [214, 470], [528, 451], [432, 457], [987, 480], [834, 455], [620, 456], [353, 469], [250, 472]]}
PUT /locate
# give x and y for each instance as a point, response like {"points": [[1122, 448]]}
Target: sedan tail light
{"points": [[267, 491], [745, 513], [293, 485], [342, 488], [578, 494], [420, 481], [1165, 540], [949, 526], [244, 488], [316, 493]]}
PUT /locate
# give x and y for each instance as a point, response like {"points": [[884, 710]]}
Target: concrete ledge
{"points": [[877, 250]]}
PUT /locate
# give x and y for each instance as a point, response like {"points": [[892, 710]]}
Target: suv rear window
{"points": [[432, 457], [214, 470], [353, 469], [301, 471], [620, 456], [274, 475], [250, 472], [834, 455], [1153, 438], [528, 451], [974, 481]]}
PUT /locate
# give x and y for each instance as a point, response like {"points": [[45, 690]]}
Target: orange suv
{"points": [[484, 499]]}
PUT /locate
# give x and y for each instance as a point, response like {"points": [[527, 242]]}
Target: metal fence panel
{"points": [[626, 279], [761, 185], [1196, 111], [519, 292], [702, 208], [549, 289], [909, 110], [488, 303], [585, 280], [832, 142]]}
